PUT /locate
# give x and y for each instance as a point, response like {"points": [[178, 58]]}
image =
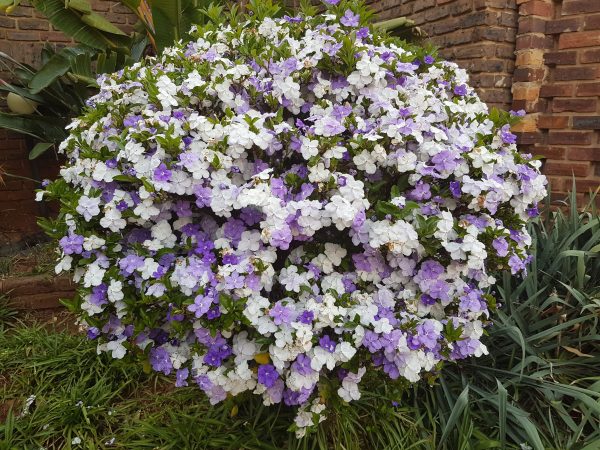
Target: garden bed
{"points": [[27, 279]]}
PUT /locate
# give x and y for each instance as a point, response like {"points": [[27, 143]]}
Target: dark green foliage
{"points": [[541, 382]]}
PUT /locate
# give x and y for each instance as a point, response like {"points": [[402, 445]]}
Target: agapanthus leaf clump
{"points": [[283, 203]]}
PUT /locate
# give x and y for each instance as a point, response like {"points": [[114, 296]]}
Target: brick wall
{"points": [[23, 33], [479, 35], [557, 81]]}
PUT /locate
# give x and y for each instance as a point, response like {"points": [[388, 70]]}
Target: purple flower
{"points": [[363, 33], [429, 59], [181, 377], [201, 305], [445, 161], [501, 246], [332, 2], [130, 263], [306, 317], [420, 192], [533, 211], [350, 19], [267, 375], [281, 314], [71, 244], [203, 196], [427, 334], [331, 127], [289, 19], [327, 343], [282, 237], [161, 173], [93, 333], [160, 360], [455, 189], [516, 264], [460, 90], [506, 136]]}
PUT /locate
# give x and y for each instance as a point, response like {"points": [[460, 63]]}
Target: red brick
{"points": [[575, 73], [534, 41], [567, 169], [529, 138], [7, 22], [588, 89], [557, 90], [549, 152], [433, 14], [553, 122], [570, 137], [592, 22], [564, 25], [23, 35], [33, 24], [526, 74], [584, 154], [556, 184], [577, 40], [460, 7], [54, 36], [536, 8], [587, 185], [574, 105], [531, 24], [590, 56], [580, 6], [560, 58]]}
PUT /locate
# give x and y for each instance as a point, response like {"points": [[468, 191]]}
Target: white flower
{"points": [[88, 207]]}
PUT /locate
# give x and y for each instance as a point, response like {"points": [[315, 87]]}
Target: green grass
{"points": [[79, 394]]}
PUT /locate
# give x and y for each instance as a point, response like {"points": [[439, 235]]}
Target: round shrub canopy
{"points": [[283, 204]]}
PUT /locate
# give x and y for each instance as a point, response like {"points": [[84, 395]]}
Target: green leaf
{"points": [[69, 22], [502, 402], [58, 65], [457, 410], [80, 5], [24, 125], [97, 21], [39, 149]]}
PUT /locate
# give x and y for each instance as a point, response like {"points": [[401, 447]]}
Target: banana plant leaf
{"points": [[39, 127], [58, 65], [70, 22], [39, 149]]}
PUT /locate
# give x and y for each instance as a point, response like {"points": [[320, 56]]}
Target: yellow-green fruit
{"points": [[20, 105]]}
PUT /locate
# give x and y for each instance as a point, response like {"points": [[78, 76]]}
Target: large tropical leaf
{"points": [[39, 127], [70, 22], [57, 66], [100, 23]]}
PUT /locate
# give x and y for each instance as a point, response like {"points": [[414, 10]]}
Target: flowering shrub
{"points": [[284, 204]]}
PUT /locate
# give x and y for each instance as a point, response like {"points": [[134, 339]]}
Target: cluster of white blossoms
{"points": [[287, 203]]}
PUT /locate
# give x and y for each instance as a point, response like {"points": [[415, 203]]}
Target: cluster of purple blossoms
{"points": [[317, 212]]}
